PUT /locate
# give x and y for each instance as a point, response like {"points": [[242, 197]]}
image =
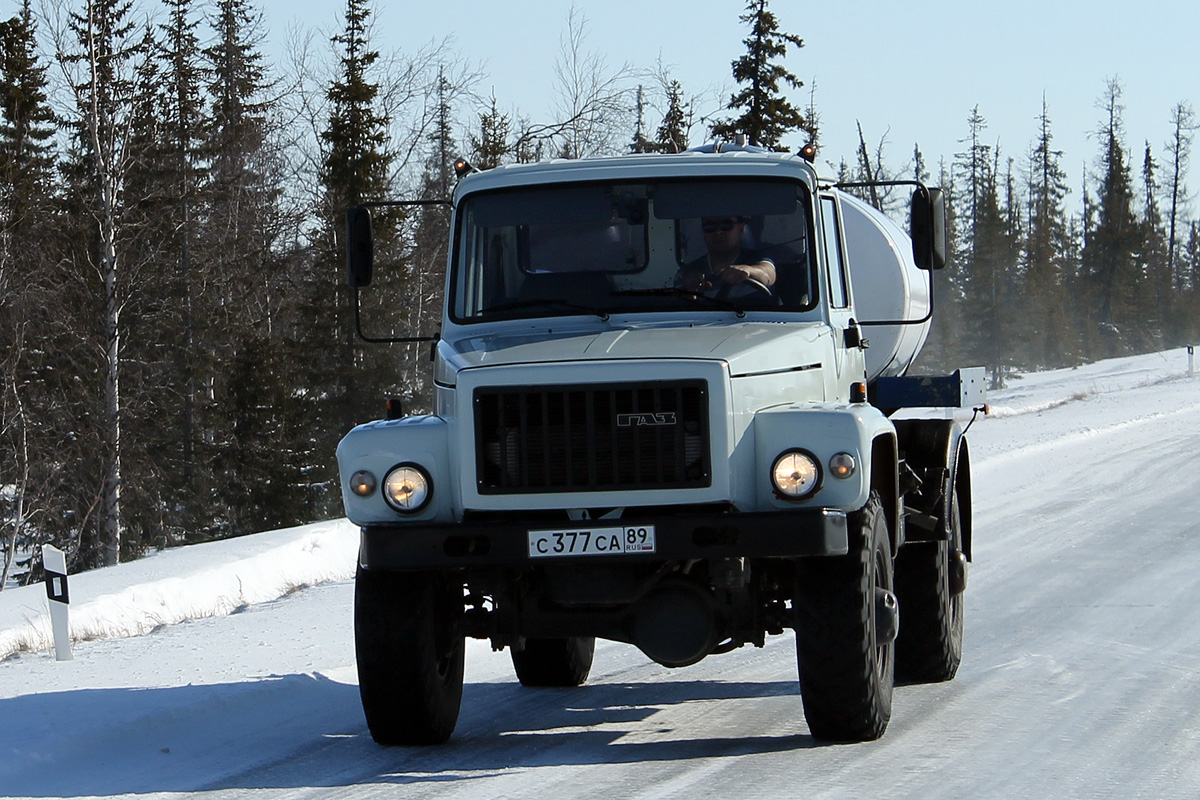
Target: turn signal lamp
{"points": [[362, 483], [842, 465]]}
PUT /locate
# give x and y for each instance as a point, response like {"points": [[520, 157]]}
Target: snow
{"points": [[204, 580], [227, 669]]}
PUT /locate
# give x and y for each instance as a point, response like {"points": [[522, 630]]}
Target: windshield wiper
{"points": [[599, 312], [722, 303]]}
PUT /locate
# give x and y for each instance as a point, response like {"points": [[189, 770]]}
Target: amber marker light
{"points": [[841, 465], [363, 483]]}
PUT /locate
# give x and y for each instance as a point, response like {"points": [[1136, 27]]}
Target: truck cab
{"points": [[631, 442]]}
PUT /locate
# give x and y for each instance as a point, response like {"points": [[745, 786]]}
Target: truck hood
{"points": [[747, 347]]}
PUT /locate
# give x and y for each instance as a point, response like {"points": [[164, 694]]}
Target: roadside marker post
{"points": [[54, 564], [1191, 360]]}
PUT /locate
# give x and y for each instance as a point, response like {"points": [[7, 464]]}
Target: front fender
{"points": [[377, 447], [938, 451], [823, 430]]}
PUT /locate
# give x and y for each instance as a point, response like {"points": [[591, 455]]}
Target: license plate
{"points": [[592, 541]]}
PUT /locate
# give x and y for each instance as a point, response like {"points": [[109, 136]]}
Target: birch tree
{"points": [[99, 63]]}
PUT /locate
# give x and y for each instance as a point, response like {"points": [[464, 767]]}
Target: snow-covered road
{"points": [[1078, 679]]}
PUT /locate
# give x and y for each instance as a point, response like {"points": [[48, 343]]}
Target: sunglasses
{"points": [[724, 226]]}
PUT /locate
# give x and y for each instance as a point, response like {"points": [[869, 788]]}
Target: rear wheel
{"points": [[930, 578], [564, 661], [410, 657], [846, 619]]}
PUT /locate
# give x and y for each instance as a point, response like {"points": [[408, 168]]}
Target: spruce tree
{"points": [[1155, 290], [186, 123], [1179, 146], [28, 298], [1047, 323], [246, 243], [672, 134], [1109, 257], [640, 143], [492, 145], [333, 387], [766, 114]]}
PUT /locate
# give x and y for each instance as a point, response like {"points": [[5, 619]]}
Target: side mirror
{"points": [[360, 247], [928, 230]]}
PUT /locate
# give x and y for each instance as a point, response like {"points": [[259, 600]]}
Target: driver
{"points": [[726, 265]]}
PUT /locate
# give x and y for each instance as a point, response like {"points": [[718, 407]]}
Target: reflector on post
{"points": [[54, 565]]}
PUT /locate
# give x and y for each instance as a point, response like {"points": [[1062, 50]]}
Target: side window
{"points": [[833, 253]]}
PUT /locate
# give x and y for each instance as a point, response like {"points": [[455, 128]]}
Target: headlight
{"points": [[796, 474], [362, 483], [407, 488]]}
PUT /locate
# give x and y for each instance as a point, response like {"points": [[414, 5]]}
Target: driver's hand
{"points": [[696, 282], [735, 274]]}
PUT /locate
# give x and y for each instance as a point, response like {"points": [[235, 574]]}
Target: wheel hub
{"points": [[887, 617]]}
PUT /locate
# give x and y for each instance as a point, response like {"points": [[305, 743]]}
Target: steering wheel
{"points": [[754, 286]]}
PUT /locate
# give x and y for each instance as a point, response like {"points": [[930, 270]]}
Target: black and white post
{"points": [[54, 564], [1191, 360]]}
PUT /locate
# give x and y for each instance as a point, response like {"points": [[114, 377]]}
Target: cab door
{"points": [[849, 364]]}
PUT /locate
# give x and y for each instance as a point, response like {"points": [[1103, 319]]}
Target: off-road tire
{"points": [[929, 647], [410, 659], [846, 680], [564, 661]]}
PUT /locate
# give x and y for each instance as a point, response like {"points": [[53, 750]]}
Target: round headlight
{"points": [[407, 488], [362, 483], [796, 474], [842, 465]]}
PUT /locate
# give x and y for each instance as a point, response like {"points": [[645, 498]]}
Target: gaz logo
{"points": [[648, 418]]}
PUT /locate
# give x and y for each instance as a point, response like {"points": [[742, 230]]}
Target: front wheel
{"points": [[410, 657], [846, 619], [564, 661]]}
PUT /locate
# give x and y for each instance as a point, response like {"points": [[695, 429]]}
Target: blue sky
{"points": [[909, 71]]}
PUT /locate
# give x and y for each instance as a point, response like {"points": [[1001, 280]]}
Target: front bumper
{"points": [[772, 534]]}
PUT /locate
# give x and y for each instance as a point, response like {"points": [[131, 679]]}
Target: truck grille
{"points": [[592, 437]]}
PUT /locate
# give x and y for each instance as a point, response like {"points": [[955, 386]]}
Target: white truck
{"points": [[619, 453]]}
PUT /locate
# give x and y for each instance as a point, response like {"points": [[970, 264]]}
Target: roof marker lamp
{"points": [[796, 475], [407, 488]]}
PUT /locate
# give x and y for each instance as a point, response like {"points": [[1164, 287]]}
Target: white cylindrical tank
{"points": [[887, 285]]}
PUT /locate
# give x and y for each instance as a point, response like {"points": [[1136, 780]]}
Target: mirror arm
{"points": [[386, 339], [920, 321]]}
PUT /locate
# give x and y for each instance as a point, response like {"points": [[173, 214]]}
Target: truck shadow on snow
{"points": [[504, 726], [294, 731]]}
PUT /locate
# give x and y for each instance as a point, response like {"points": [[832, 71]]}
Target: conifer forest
{"points": [[178, 357]]}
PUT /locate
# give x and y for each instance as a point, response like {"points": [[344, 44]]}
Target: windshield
{"points": [[644, 247]]}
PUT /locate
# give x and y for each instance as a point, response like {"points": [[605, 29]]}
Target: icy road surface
{"points": [[1079, 677]]}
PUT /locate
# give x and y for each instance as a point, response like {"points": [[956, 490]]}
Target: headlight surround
{"points": [[796, 474], [407, 488]]}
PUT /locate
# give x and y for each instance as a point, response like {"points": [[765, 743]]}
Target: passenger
{"points": [[726, 265]]}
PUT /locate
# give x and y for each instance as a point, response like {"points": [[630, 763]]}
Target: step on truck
{"points": [[630, 444]]}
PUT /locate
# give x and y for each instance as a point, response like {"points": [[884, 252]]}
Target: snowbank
{"points": [[203, 580]]}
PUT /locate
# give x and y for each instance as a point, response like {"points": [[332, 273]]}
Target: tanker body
{"points": [[658, 422]]}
